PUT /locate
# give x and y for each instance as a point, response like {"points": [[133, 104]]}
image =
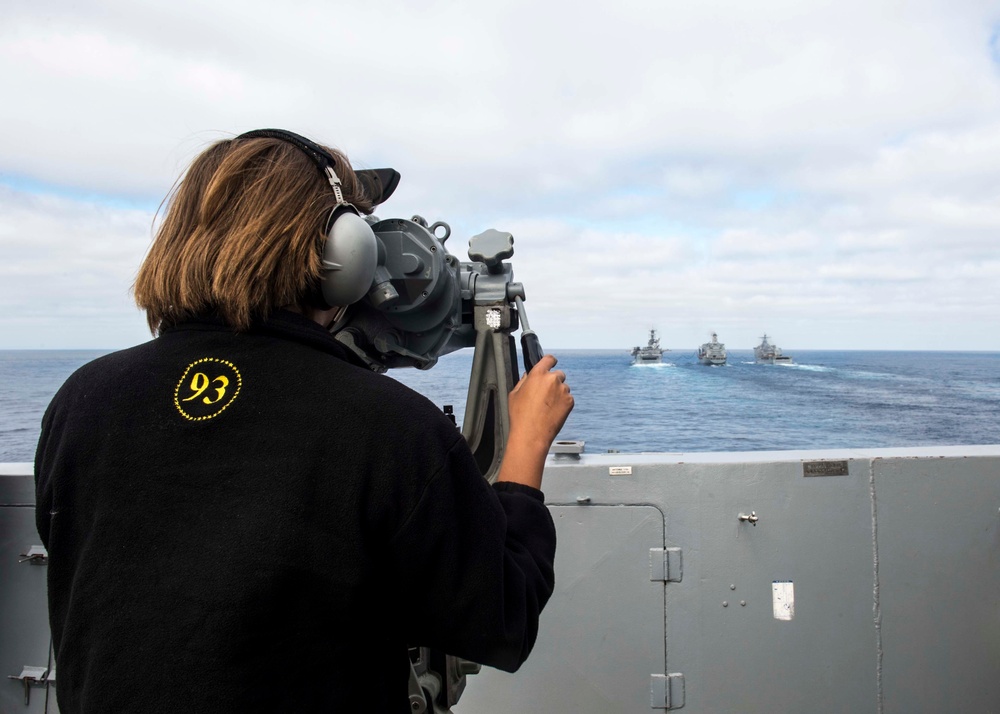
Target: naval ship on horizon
{"points": [[712, 353], [766, 353], [652, 353]]}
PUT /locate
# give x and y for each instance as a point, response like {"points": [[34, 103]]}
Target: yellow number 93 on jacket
{"points": [[206, 388]]}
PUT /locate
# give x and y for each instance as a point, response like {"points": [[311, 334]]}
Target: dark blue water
{"points": [[827, 399]]}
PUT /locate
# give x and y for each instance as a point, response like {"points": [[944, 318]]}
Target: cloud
{"points": [[67, 270], [832, 166]]}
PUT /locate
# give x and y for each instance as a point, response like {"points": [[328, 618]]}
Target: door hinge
{"points": [[36, 555], [666, 691], [665, 565], [36, 676]]}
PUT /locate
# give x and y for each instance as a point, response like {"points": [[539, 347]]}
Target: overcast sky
{"points": [[827, 172]]}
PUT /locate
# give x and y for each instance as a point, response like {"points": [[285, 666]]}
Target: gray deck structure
{"points": [[674, 575]]}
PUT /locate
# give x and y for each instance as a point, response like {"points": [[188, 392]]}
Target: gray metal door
{"points": [[604, 604]]}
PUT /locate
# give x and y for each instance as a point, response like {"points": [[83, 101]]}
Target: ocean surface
{"points": [[827, 399]]}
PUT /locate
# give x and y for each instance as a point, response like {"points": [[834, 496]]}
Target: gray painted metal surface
{"points": [[24, 627], [939, 583], [894, 568], [608, 607], [664, 597]]}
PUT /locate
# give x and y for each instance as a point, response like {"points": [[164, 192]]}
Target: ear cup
{"points": [[350, 252], [350, 257]]}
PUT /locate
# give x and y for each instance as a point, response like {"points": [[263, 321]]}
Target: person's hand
{"points": [[538, 407], [540, 403]]}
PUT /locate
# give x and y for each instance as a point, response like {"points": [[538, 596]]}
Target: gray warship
{"points": [[713, 352], [652, 353], [838, 580], [766, 353]]}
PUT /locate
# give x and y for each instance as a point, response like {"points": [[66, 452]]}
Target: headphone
{"points": [[351, 254]]}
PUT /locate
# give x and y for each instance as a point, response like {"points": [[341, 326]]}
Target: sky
{"points": [[824, 172]]}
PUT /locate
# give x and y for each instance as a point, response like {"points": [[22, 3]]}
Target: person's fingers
{"points": [[546, 363]]}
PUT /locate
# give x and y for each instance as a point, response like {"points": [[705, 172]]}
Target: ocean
{"points": [[827, 399]]}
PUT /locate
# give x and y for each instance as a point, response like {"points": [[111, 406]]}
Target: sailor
{"points": [[242, 518]]}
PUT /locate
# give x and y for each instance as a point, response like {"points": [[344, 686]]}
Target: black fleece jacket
{"points": [[253, 523]]}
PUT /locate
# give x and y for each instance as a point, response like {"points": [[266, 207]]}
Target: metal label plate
{"points": [[824, 468]]}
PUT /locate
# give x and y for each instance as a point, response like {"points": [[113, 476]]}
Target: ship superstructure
{"points": [[652, 353], [766, 353], [712, 353]]}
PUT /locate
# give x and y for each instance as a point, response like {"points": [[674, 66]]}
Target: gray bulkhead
{"points": [[813, 581], [25, 653], [894, 567]]}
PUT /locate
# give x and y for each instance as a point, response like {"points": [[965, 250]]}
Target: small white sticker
{"points": [[783, 593], [620, 471]]}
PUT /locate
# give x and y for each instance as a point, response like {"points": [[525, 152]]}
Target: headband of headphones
{"points": [[351, 256], [379, 184]]}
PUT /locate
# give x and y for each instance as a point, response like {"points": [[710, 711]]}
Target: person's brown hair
{"points": [[243, 234]]}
